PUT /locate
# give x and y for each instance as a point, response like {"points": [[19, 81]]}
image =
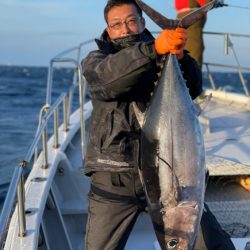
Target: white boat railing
{"points": [[229, 46], [17, 181], [48, 111]]}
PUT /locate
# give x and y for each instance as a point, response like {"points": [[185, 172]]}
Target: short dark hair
{"points": [[113, 3]]}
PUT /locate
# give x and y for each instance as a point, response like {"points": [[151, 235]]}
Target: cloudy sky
{"points": [[33, 31]]}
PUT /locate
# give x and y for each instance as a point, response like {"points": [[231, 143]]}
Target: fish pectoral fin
{"points": [[200, 103], [140, 116]]}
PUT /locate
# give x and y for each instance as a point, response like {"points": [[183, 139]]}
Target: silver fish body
{"points": [[173, 160]]}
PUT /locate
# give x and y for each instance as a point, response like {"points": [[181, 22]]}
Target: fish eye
{"points": [[172, 243]]}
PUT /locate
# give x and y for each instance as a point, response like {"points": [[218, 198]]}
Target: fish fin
{"points": [[151, 206], [185, 22], [140, 116], [158, 18], [200, 103], [197, 14]]}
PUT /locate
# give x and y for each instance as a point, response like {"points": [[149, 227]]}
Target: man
{"points": [[123, 70], [195, 43]]}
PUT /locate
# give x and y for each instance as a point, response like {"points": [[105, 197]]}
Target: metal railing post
{"points": [[65, 114], [227, 44], [49, 83], [45, 150], [243, 82], [21, 207], [56, 144], [210, 77]]}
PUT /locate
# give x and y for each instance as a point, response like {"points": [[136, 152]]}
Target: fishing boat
{"points": [[48, 209]]}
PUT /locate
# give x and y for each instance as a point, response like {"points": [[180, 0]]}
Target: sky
{"points": [[34, 31]]}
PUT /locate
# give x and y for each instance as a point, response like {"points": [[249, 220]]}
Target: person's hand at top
{"points": [[171, 41]]}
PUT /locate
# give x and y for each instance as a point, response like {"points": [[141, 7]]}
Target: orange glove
{"points": [[171, 41]]}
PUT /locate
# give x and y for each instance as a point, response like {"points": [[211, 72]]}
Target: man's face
{"points": [[124, 20]]}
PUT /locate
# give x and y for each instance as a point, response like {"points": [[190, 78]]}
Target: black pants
{"points": [[214, 236], [116, 200]]}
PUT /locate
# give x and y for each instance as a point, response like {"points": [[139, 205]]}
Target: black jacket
{"points": [[118, 74]]}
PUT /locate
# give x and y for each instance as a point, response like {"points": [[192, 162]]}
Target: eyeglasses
{"points": [[130, 22]]}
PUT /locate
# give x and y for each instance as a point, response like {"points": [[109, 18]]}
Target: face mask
{"points": [[128, 41]]}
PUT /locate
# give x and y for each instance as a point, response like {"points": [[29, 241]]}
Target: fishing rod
{"points": [[234, 6]]}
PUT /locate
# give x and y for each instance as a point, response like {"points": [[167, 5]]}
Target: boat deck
{"points": [[227, 136], [227, 142]]}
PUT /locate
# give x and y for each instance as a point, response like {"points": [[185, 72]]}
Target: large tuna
{"points": [[173, 160], [172, 149]]}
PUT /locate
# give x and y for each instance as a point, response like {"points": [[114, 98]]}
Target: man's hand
{"points": [[171, 41]]}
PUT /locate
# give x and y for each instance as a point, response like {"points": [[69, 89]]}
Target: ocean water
{"points": [[23, 93]]}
